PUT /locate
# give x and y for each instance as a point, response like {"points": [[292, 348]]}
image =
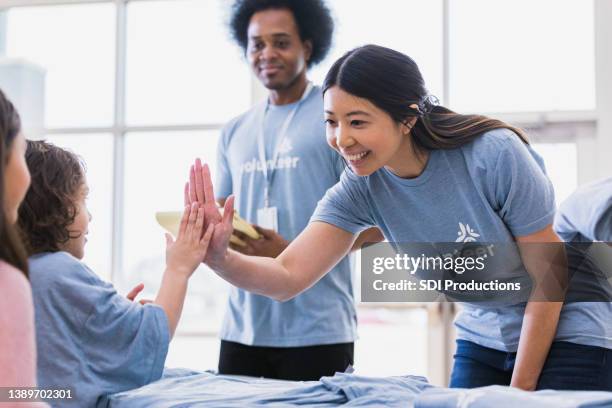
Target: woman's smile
{"points": [[357, 158]]}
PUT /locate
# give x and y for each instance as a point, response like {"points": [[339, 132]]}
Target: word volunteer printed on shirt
{"points": [[282, 163]]}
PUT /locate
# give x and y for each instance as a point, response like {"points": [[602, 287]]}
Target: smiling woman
{"points": [[354, 126], [361, 104], [407, 157]]}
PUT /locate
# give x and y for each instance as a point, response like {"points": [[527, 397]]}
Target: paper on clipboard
{"points": [[171, 220]]}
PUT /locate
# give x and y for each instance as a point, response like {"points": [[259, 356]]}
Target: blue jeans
{"points": [[568, 366]]}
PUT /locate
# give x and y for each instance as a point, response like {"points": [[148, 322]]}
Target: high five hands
{"points": [[199, 190]]}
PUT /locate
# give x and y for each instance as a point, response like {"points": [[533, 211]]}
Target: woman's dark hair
{"points": [[11, 248], [312, 17], [392, 81], [49, 206]]}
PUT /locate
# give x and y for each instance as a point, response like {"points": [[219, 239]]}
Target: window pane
{"points": [[410, 26], [391, 342], [383, 333], [156, 169], [75, 45], [97, 153], [522, 55], [182, 67], [561, 160], [195, 352]]}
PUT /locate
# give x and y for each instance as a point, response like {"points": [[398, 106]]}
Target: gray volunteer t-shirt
{"points": [[586, 216], [490, 190], [306, 167]]}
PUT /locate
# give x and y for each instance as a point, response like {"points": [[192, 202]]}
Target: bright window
{"points": [[561, 162], [391, 342], [409, 26], [181, 66], [522, 55], [156, 169], [75, 45]]}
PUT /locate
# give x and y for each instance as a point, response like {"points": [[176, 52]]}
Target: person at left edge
{"points": [[313, 334]]}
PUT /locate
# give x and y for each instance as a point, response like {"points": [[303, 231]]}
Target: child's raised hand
{"points": [[185, 254], [200, 190]]}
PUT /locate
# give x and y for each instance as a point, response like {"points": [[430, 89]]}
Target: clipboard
{"points": [[171, 220]]}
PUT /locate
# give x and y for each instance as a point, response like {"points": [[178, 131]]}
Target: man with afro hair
{"points": [[275, 160]]}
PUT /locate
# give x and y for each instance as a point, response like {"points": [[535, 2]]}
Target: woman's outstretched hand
{"points": [[200, 190]]}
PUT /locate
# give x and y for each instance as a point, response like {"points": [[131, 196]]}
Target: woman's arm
{"points": [[538, 252], [308, 258], [369, 236]]}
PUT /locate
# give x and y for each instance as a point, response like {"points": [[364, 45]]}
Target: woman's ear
{"points": [[407, 126]]}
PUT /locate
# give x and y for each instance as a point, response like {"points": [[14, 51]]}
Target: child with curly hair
{"points": [[90, 338]]}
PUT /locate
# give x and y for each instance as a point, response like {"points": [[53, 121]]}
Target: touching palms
{"points": [[200, 189]]}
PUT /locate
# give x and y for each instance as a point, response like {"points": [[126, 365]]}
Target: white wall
{"points": [[601, 163]]}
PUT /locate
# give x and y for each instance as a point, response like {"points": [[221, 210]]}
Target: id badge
{"points": [[268, 218]]}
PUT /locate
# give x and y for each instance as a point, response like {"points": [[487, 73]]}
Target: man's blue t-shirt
{"points": [[306, 167], [89, 337], [490, 190], [586, 215]]}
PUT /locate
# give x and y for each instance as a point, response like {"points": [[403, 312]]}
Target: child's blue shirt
{"points": [[89, 337]]}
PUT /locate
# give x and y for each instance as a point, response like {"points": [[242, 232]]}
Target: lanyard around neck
{"points": [[269, 173]]}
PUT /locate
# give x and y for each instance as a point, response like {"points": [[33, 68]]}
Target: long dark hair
{"points": [[11, 248], [392, 81]]}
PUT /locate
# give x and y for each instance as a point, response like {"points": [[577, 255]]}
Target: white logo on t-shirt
{"points": [[285, 146], [466, 234]]}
